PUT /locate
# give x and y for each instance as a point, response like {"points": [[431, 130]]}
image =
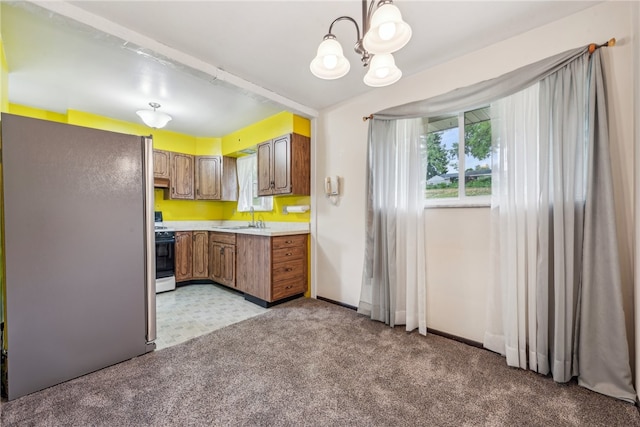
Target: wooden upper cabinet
{"points": [[265, 164], [284, 166], [208, 177], [229, 179], [216, 178], [182, 174], [161, 164], [161, 169]]}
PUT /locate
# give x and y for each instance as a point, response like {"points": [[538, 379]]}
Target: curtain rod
{"points": [[592, 48]]}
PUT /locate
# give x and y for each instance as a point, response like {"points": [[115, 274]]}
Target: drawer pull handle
{"points": [[289, 254], [288, 287], [288, 269], [289, 241]]}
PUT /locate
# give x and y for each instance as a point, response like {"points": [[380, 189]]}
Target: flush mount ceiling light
{"points": [[153, 118], [384, 32]]}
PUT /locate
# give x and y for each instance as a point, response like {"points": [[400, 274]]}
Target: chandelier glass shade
{"points": [[330, 62], [152, 118], [382, 71], [387, 32], [384, 32]]}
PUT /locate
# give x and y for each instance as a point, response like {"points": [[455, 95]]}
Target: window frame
{"points": [[462, 201]]}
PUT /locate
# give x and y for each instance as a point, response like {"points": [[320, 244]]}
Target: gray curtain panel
{"points": [[599, 329], [483, 93], [603, 351], [377, 299]]}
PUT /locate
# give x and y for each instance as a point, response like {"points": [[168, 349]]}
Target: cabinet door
{"points": [[253, 255], [161, 164], [208, 178], [200, 255], [281, 179], [181, 176], [300, 158], [229, 265], [265, 169], [229, 179], [215, 264], [183, 255]]}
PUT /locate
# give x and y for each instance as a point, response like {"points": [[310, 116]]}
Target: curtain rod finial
{"points": [[369, 117], [610, 43]]}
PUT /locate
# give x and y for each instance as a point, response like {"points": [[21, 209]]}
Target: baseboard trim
{"points": [[341, 304], [431, 331], [455, 338], [266, 304]]}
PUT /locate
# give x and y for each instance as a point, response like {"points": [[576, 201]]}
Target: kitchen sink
{"points": [[237, 227]]}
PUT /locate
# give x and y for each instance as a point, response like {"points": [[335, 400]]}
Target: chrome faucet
{"points": [[253, 219], [253, 223]]}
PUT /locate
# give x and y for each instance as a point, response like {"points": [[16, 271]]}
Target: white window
{"points": [[454, 143]]}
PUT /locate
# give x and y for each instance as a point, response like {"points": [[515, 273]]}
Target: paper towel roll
{"points": [[297, 209]]}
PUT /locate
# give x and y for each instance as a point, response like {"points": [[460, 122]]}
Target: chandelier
{"points": [[384, 32]]}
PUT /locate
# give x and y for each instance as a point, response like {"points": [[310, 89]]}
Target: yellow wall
{"points": [[274, 126], [22, 110], [177, 210], [247, 138], [4, 75]]}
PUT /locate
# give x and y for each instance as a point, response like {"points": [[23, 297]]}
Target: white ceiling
{"points": [[217, 66]]}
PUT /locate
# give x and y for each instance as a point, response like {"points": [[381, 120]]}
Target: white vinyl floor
{"points": [[194, 310]]}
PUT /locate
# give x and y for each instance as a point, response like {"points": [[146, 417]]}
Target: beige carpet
{"points": [[312, 363]]}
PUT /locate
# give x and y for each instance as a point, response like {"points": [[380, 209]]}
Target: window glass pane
{"points": [[442, 157], [477, 160]]}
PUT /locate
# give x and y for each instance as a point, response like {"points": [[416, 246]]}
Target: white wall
{"points": [[456, 284]]}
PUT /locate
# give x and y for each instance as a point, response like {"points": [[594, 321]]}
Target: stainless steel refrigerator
{"points": [[79, 250]]}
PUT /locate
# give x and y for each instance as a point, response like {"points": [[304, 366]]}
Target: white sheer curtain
{"points": [[539, 192], [247, 169], [394, 283], [244, 167]]}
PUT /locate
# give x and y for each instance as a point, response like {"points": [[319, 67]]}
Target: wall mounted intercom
{"points": [[332, 189], [332, 186]]}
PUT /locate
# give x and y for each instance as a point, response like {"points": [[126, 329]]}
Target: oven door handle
{"points": [[165, 241]]}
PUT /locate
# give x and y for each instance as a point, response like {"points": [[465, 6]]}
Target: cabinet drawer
{"points": [[280, 242], [288, 270], [289, 287], [287, 254], [228, 238]]}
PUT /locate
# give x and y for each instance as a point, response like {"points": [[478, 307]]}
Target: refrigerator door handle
{"points": [[150, 246]]}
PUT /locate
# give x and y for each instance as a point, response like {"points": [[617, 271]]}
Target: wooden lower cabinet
{"points": [[184, 256], [272, 268], [267, 268], [192, 255], [200, 264], [222, 251]]}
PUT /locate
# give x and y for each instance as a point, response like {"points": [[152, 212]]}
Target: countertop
{"points": [[271, 229]]}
